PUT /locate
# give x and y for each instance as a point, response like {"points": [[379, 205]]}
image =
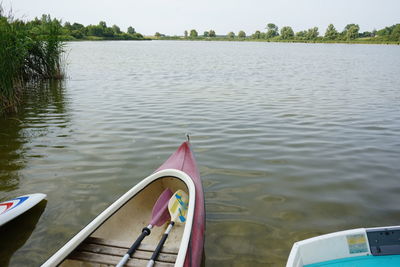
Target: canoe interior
{"points": [[106, 245]]}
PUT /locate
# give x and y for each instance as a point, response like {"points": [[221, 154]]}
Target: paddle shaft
{"points": [[145, 232], [160, 245]]}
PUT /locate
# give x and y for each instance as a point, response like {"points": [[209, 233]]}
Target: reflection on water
{"points": [[15, 233], [292, 140], [10, 158], [43, 104]]}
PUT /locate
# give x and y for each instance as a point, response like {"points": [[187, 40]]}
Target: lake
{"points": [[292, 140]]}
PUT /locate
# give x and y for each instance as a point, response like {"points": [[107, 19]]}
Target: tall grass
{"points": [[29, 51]]}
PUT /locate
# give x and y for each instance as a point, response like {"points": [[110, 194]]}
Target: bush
{"points": [[28, 51]]}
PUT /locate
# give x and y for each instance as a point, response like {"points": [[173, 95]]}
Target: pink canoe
{"points": [[106, 239]]}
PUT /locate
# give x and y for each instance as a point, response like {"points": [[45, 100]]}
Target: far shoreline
{"points": [[222, 39], [152, 38]]}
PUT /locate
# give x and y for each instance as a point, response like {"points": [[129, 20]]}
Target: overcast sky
{"points": [[172, 17]]}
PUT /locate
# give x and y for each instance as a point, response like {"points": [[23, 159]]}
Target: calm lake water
{"points": [[292, 140]]}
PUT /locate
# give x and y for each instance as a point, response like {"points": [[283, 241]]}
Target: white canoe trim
{"points": [[19, 208], [61, 254]]}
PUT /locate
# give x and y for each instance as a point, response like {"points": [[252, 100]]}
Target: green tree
{"points": [[312, 33], [157, 34], [100, 30], [272, 26], [331, 33], [242, 34], [108, 32], [68, 26], [77, 34], [131, 30], [78, 30], [256, 35], [212, 33], [301, 35], [95, 30], [186, 34], [395, 35], [46, 19], [287, 33], [206, 34], [231, 35], [385, 31], [103, 24], [193, 33], [352, 32], [77, 26], [348, 26], [116, 29], [272, 30], [138, 36]]}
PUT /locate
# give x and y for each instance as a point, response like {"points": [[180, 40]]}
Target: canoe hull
{"points": [[134, 209], [183, 159]]}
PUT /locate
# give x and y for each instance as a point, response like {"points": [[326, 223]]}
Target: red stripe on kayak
{"points": [[8, 205]]}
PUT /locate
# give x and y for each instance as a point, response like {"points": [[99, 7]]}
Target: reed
{"points": [[29, 51]]}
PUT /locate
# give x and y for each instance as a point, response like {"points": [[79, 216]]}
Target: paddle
{"points": [[159, 216], [177, 206]]}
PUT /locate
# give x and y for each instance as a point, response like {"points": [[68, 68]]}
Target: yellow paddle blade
{"points": [[178, 206]]}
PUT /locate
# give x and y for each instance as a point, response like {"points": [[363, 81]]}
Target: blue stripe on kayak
{"points": [[21, 200], [362, 261]]}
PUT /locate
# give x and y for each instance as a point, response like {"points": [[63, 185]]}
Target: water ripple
{"points": [[292, 140]]}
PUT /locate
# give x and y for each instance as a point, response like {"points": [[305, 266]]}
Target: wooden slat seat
{"points": [[109, 252]]}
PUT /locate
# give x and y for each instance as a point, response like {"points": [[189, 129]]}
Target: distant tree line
{"points": [[351, 32], [99, 31]]}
